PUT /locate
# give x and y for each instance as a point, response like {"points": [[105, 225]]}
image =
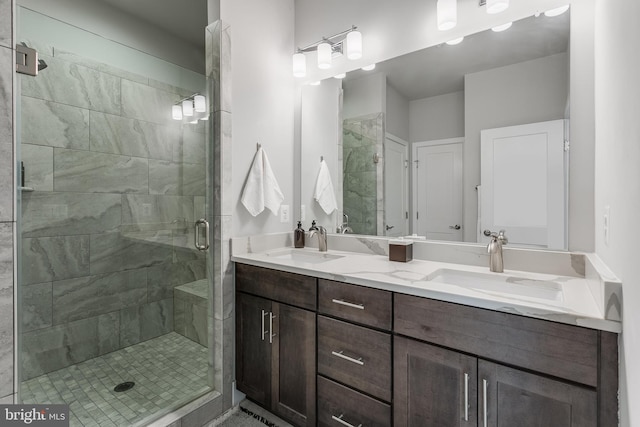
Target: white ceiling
{"points": [[184, 19], [440, 69]]}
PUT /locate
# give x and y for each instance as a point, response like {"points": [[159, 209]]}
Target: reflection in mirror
{"points": [[434, 143]]}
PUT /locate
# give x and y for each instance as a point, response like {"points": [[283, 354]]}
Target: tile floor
{"points": [[169, 371]]}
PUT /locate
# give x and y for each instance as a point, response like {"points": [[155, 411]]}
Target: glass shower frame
{"points": [[157, 236]]}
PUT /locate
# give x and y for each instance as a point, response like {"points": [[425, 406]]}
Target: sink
{"points": [[500, 284], [303, 255]]}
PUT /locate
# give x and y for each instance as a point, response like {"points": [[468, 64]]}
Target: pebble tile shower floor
{"points": [[168, 371]]}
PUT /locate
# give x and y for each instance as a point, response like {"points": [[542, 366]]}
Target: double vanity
{"points": [[347, 337]]}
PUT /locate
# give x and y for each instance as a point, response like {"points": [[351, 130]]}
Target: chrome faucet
{"points": [[494, 248], [321, 232], [344, 228]]}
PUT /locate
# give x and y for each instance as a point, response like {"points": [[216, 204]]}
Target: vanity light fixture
{"points": [[369, 67], [192, 108], [354, 45], [455, 41], [557, 11], [187, 107], [496, 6], [199, 104], [325, 54], [502, 27], [316, 83], [447, 11], [176, 112], [299, 65], [329, 48]]}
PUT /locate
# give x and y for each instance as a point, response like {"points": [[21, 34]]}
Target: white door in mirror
{"points": [[438, 189], [524, 183]]}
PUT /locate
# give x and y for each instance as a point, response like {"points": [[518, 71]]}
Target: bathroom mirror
{"points": [[403, 141]]}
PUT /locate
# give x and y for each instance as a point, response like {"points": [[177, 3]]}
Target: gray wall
{"points": [[527, 92], [397, 114], [617, 156], [366, 95], [111, 171], [321, 128], [437, 117], [7, 216], [263, 98]]}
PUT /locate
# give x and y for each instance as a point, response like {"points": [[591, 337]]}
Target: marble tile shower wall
{"points": [[105, 233], [362, 139]]}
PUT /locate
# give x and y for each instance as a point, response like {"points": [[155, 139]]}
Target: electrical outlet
{"points": [[303, 212], [606, 224], [284, 213]]}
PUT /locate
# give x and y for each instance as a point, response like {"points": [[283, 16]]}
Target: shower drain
{"points": [[128, 385]]}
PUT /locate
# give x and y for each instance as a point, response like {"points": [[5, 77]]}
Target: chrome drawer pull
{"points": [[271, 334], [466, 396], [343, 422], [485, 385], [348, 304], [341, 355]]}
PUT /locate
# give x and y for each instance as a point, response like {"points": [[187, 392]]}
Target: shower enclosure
{"points": [[115, 299]]}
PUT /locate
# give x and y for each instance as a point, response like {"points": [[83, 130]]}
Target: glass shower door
{"points": [[115, 297]]}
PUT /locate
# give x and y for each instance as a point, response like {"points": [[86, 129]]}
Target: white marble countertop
{"points": [[564, 299]]}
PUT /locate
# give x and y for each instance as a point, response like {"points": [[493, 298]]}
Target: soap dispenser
{"points": [[298, 236], [313, 226]]}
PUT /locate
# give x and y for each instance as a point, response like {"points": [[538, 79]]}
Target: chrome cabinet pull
{"points": [[271, 334], [341, 420], [341, 355], [348, 304], [196, 233], [466, 397], [485, 385], [262, 320]]}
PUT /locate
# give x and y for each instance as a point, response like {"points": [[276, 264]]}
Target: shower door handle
{"points": [[196, 233]]}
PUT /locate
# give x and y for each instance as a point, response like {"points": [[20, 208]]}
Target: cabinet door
{"points": [[253, 351], [433, 387], [294, 364], [510, 397]]}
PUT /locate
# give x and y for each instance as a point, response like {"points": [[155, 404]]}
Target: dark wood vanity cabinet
{"points": [[499, 370], [276, 342], [440, 387], [390, 359], [354, 355]]}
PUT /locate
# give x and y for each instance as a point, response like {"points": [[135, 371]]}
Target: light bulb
{"points": [[176, 112], [455, 41], [354, 45], [557, 11], [502, 27], [200, 103], [187, 108], [447, 11], [299, 65], [316, 83], [324, 56], [497, 6], [340, 76], [369, 67]]}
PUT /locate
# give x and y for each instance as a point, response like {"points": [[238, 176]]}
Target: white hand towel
{"points": [[324, 193], [261, 189]]}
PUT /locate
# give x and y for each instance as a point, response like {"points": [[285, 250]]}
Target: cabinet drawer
{"points": [[356, 356], [564, 351], [281, 286], [355, 303], [338, 401]]}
